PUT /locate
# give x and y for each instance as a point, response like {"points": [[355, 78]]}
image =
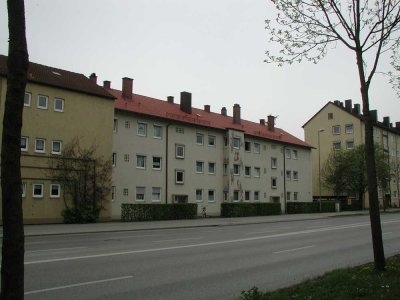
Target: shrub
{"points": [[229, 210], [153, 212], [80, 215], [310, 207]]}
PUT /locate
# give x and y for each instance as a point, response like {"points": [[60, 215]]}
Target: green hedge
{"points": [[229, 210], [310, 207], [153, 212]]}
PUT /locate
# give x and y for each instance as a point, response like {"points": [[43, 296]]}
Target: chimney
{"points": [[223, 111], [107, 84], [357, 109], [336, 102], [127, 87], [271, 123], [207, 108], [262, 122], [398, 125], [348, 104], [93, 77], [341, 104], [170, 99], [186, 102], [374, 115], [236, 114], [386, 121]]}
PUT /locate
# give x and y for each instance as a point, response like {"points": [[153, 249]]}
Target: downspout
{"points": [[284, 180], [166, 163]]}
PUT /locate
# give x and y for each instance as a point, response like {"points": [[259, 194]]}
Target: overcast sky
{"points": [[211, 48]]}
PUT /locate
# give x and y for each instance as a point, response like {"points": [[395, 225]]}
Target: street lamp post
{"points": [[319, 167]]}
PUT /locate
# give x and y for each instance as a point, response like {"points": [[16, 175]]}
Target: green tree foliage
{"points": [[85, 179]]}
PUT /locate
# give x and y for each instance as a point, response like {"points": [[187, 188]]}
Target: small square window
{"points": [[179, 176], [114, 159], [56, 147], [40, 145], [336, 129], [274, 163], [156, 163], [157, 132], [295, 154], [115, 126], [247, 195], [37, 190], [211, 195], [156, 194], [348, 128], [55, 190], [211, 168], [236, 169], [142, 129], [274, 182], [211, 141], [236, 196], [247, 146], [257, 172], [199, 195], [330, 116], [247, 171], [125, 192], [140, 191], [199, 138], [288, 175], [295, 175], [236, 143], [24, 143], [58, 105], [179, 151], [140, 161], [126, 158], [337, 145], [256, 195], [27, 99], [257, 148], [180, 130], [42, 102], [127, 124], [199, 167], [349, 144]]}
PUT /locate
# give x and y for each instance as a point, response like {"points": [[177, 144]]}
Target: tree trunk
{"points": [[12, 263], [376, 230]]}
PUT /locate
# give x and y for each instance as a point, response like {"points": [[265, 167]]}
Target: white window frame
{"points": [[295, 175], [177, 147], [336, 129], [225, 168], [274, 163], [199, 164], [126, 158], [157, 128], [214, 198], [212, 165], [347, 144], [125, 192], [295, 154], [349, 128], [201, 136], [155, 168], [256, 195], [176, 177], [236, 172], [29, 103], [247, 195], [142, 125], [197, 194], [138, 166], [23, 189], [274, 186], [156, 191], [288, 195], [114, 159], [58, 195], [139, 189], [236, 143], [334, 144], [257, 148], [26, 143], [247, 174], [212, 141], [288, 153], [36, 145], [41, 185], [236, 193], [127, 124], [56, 100], [52, 147], [113, 193], [115, 125], [288, 175], [38, 101], [257, 172]]}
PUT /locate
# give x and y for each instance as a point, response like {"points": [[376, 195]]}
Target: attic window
{"points": [[330, 116], [56, 73]]}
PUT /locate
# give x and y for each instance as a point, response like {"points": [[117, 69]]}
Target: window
{"points": [[235, 196], [336, 145], [142, 129], [199, 167], [156, 163], [156, 194], [199, 195], [37, 190], [288, 175], [287, 195], [295, 196], [114, 159], [247, 195], [127, 124], [199, 138], [42, 102], [225, 169], [288, 153], [23, 190], [211, 195], [336, 129], [247, 171], [256, 148], [27, 99], [157, 132], [295, 175], [247, 146], [56, 147], [274, 182], [349, 144], [211, 168], [24, 143], [126, 157], [236, 169], [295, 154], [256, 195], [330, 116], [115, 126], [211, 141], [140, 190], [40, 145], [179, 176], [55, 190], [274, 163], [236, 143], [113, 191], [257, 172], [58, 105], [179, 151], [125, 192], [180, 130], [140, 161], [348, 128]]}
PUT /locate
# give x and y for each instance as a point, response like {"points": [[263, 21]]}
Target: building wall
{"points": [[86, 117]]}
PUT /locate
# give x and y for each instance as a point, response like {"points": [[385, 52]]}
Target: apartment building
{"points": [[59, 106], [167, 152], [340, 125]]}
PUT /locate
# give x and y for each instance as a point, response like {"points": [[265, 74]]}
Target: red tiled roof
{"points": [[171, 111], [59, 78]]}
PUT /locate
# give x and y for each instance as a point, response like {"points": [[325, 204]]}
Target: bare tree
{"points": [[12, 263], [368, 29]]}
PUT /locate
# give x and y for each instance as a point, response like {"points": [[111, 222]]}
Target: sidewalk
{"points": [[54, 229]]}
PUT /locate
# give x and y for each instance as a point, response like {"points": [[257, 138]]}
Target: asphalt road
{"points": [[197, 263]]}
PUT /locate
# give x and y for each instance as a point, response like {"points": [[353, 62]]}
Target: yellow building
{"points": [[340, 125], [59, 105]]}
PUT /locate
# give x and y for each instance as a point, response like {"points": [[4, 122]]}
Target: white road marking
{"points": [[76, 284], [55, 249], [385, 233], [294, 249], [207, 244], [258, 232], [177, 240]]}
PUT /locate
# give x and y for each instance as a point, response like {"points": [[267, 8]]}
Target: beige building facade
{"points": [[340, 125]]}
